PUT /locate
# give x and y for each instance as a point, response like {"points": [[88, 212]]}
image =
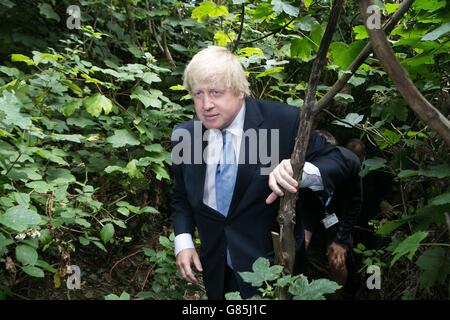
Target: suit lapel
{"points": [[199, 165], [246, 170]]}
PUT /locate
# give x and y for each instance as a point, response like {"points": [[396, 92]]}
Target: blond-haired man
{"points": [[220, 164]]}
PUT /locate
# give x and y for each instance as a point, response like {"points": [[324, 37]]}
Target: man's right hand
{"points": [[184, 259], [280, 179]]}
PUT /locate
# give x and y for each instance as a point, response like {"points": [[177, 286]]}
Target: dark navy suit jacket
{"points": [[246, 231]]}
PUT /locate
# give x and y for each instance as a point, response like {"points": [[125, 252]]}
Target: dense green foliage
{"points": [[86, 115]]}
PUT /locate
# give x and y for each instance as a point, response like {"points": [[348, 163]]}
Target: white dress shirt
{"points": [[310, 179]]}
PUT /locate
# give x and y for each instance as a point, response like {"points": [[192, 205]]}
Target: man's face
{"points": [[216, 106]]}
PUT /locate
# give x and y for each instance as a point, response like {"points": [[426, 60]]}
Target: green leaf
{"points": [[26, 254], [389, 226], [124, 211], [82, 222], [344, 54], [46, 266], [429, 5], [262, 271], [132, 170], [178, 87], [165, 242], [10, 111], [21, 198], [301, 48], [377, 88], [47, 11], [60, 176], [122, 138], [19, 218], [123, 296], [146, 97], [250, 51], [391, 7], [270, 71], [120, 224], [7, 3], [441, 199], [83, 241], [100, 246], [350, 119], [208, 8], [437, 33], [302, 290], [435, 264], [33, 271], [307, 3], [408, 246], [439, 171], [233, 296], [107, 232], [407, 174], [96, 103], [223, 38], [361, 32], [11, 72], [307, 23], [346, 98], [150, 77], [281, 6], [161, 172], [372, 164], [15, 57], [71, 107], [149, 210]]}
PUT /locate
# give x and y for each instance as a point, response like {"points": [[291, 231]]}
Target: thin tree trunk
{"points": [[286, 213], [418, 103], [362, 56]]}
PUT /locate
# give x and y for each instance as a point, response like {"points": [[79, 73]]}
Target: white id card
{"points": [[330, 220]]}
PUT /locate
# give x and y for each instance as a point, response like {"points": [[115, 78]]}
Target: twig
{"points": [[146, 277], [271, 33], [362, 56], [236, 44], [124, 258]]}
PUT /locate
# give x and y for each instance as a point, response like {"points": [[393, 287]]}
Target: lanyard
{"points": [[327, 203]]}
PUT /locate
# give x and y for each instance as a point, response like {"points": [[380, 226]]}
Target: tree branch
{"points": [[418, 103], [271, 33], [236, 44], [362, 56], [286, 213]]}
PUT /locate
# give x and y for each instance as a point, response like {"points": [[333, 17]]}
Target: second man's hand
{"points": [[280, 179]]}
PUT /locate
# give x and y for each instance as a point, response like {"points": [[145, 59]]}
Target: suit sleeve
{"points": [[349, 213], [329, 160], [182, 214]]}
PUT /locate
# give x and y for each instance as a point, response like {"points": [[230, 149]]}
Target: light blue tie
{"points": [[226, 179], [225, 175]]}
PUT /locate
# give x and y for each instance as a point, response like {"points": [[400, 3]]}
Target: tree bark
{"points": [[286, 213], [418, 103], [362, 56]]}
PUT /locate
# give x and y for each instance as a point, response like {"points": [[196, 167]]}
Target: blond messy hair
{"points": [[216, 65]]}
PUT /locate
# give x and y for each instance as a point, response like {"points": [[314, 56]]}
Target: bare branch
{"points": [[236, 44], [362, 56], [420, 105], [286, 213]]}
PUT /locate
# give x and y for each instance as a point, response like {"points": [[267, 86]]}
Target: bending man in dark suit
{"points": [[221, 162]]}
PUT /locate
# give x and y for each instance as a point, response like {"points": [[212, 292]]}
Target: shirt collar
{"points": [[237, 125]]}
